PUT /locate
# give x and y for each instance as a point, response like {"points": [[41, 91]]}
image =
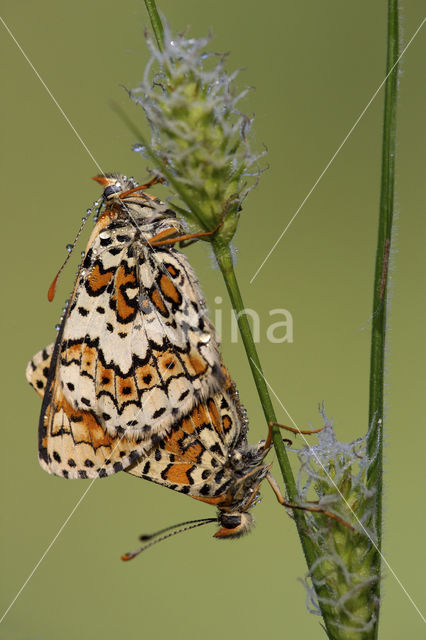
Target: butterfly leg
{"points": [[306, 432], [275, 488], [164, 237], [142, 187]]}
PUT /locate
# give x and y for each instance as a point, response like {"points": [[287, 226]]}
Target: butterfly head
{"points": [[234, 524], [128, 199], [114, 184]]}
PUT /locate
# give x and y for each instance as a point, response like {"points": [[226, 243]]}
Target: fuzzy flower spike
{"points": [[200, 140], [346, 570]]}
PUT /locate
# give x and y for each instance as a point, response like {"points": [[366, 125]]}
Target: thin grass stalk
{"points": [[379, 321], [157, 25]]}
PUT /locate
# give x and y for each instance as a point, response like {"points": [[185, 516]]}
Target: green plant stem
{"points": [[378, 334], [225, 262], [224, 258], [157, 25]]}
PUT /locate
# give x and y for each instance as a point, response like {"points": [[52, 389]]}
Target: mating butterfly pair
{"points": [[135, 381]]}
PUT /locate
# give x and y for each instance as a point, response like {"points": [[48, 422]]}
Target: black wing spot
{"points": [[133, 456], [146, 467]]}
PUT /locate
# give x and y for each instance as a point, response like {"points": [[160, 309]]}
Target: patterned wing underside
{"points": [[72, 443], [37, 371], [193, 458], [137, 349]]}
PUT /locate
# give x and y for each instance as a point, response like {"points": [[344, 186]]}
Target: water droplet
{"points": [[83, 253], [69, 247], [205, 338], [57, 327], [83, 272], [84, 219], [139, 148], [94, 251]]}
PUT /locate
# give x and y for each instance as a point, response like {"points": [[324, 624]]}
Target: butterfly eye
{"points": [[114, 188]]}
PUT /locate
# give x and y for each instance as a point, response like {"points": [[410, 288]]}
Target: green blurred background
{"points": [[314, 66]]}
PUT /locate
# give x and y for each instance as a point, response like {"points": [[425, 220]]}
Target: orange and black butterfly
{"points": [[135, 350], [135, 381]]}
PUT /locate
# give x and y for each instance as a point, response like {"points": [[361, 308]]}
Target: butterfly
{"points": [[135, 351], [204, 455], [135, 381]]}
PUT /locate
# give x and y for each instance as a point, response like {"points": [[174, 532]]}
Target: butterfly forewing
{"points": [[135, 351]]}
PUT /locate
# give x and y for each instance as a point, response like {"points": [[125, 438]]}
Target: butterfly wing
{"points": [[193, 458], [72, 442], [37, 372], [137, 350]]}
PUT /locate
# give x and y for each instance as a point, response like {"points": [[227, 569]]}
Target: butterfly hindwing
{"points": [[193, 458], [37, 372], [72, 443]]}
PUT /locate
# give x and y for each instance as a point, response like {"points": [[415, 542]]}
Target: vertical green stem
{"points": [[157, 25], [375, 442], [224, 259]]}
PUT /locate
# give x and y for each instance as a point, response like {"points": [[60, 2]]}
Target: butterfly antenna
{"points": [[70, 248], [193, 524]]}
